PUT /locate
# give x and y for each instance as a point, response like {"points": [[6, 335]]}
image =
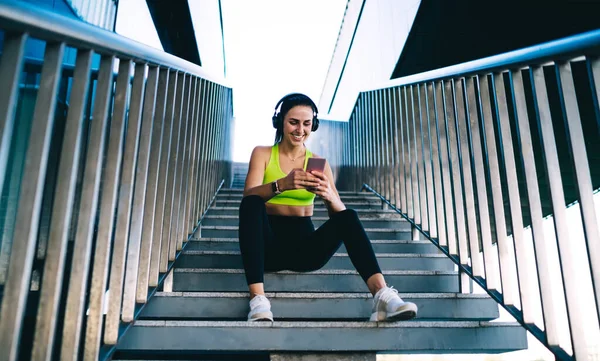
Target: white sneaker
{"points": [[388, 306], [260, 309]]}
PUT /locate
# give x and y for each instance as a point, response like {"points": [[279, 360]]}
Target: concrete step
{"points": [[367, 197], [233, 280], [318, 212], [408, 336], [373, 233], [230, 306], [357, 205], [387, 261], [342, 193], [233, 220], [380, 246]]}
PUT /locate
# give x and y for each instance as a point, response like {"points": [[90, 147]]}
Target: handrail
{"points": [[104, 192], [554, 50], [19, 16], [475, 155]]}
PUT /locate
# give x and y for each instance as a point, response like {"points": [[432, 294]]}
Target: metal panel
{"points": [[582, 174], [62, 211], [420, 113], [108, 203], [16, 288], [11, 64], [549, 306], [464, 147], [150, 248], [438, 201], [82, 248], [523, 256], [160, 246], [453, 153], [568, 261], [506, 256], [426, 140], [445, 166], [167, 243], [492, 279], [140, 194], [124, 206]]}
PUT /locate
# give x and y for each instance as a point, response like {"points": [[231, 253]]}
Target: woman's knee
{"points": [[251, 202], [347, 215]]}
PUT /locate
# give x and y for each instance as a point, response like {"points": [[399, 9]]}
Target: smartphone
{"points": [[317, 164]]}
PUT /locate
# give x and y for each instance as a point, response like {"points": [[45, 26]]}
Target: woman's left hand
{"points": [[324, 189]]}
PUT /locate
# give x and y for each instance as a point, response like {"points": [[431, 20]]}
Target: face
{"points": [[297, 124]]}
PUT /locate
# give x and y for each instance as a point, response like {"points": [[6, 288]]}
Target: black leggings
{"points": [[274, 243]]}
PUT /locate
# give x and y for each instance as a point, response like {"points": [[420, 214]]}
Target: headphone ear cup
{"points": [[315, 124], [275, 119]]}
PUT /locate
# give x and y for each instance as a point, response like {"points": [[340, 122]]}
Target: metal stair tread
{"points": [[318, 272], [379, 241], [234, 228], [322, 295], [379, 255], [325, 324]]}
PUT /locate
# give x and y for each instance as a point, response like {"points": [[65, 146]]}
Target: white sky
{"points": [[272, 48]]}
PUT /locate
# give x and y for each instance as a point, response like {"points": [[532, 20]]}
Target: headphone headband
{"points": [[277, 113]]}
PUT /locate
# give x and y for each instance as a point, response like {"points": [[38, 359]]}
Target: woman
{"points": [[276, 232]]}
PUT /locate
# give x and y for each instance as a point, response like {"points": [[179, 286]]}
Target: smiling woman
{"points": [[276, 230]]}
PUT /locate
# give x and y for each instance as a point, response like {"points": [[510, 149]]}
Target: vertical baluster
{"points": [[206, 152], [126, 191], [175, 241], [62, 211], [201, 150], [522, 252], [427, 175], [397, 142], [414, 154], [549, 306], [175, 118], [489, 254], [192, 220], [11, 63], [140, 196], [381, 144], [505, 245], [410, 211], [81, 259], [453, 153], [419, 109], [160, 248], [464, 149], [582, 174], [436, 165], [151, 231], [446, 166], [107, 208], [568, 261], [360, 136], [399, 126], [185, 170], [389, 150]]}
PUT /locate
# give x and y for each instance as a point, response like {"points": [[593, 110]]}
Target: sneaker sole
{"points": [[409, 311], [262, 316]]}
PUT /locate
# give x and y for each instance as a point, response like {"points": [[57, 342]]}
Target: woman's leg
{"points": [[324, 242], [254, 234]]}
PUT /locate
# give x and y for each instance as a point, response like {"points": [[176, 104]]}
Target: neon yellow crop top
{"points": [[296, 197]]}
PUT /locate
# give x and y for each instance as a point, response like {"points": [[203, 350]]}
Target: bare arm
{"points": [[256, 173]]}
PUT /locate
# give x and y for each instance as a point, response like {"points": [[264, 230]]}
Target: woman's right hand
{"points": [[298, 179]]}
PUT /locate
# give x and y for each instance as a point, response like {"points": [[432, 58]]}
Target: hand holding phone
{"points": [[317, 164]]}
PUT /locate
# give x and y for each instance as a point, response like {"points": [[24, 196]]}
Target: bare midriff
{"points": [[289, 211]]}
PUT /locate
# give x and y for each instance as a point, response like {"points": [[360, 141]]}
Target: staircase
{"points": [[327, 311]]}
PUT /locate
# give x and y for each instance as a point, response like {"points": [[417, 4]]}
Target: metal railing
{"points": [[484, 158], [122, 171], [329, 140]]}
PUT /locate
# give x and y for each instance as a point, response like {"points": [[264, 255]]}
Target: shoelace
{"points": [[388, 294], [259, 299]]}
